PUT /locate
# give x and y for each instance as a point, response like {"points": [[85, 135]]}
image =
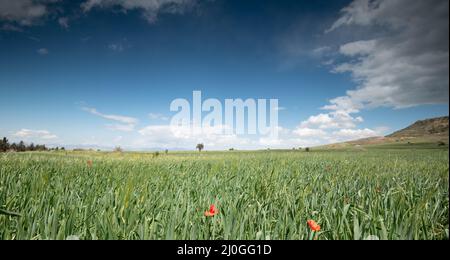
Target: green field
{"points": [[377, 193]]}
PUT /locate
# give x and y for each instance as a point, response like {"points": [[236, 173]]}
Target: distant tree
{"points": [[41, 147], [166, 151], [441, 143], [200, 147], [307, 149], [63, 149], [231, 149], [21, 147], [118, 149], [4, 145], [155, 154], [57, 148]]}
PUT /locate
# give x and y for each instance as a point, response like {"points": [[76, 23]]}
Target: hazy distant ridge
{"points": [[423, 128]]}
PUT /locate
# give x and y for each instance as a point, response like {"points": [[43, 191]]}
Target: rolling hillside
{"points": [[430, 133], [425, 128]]}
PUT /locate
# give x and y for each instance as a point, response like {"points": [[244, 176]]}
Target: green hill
{"points": [[428, 133]]}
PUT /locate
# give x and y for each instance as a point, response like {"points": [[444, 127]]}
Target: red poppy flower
{"points": [[211, 212], [313, 225]]}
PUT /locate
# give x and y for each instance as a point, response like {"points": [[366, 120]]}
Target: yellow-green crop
{"points": [[385, 194]]}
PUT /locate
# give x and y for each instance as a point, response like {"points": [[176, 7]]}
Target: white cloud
{"points": [[335, 119], [299, 137], [408, 65], [150, 8], [127, 124], [121, 119], [214, 137], [314, 136], [336, 126], [358, 48], [23, 12], [357, 12], [63, 22], [35, 134], [157, 116], [42, 51], [321, 51], [309, 132], [353, 134], [345, 104]]}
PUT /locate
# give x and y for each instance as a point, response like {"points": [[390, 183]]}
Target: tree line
{"points": [[5, 146]]}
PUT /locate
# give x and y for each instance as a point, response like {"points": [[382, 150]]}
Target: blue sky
{"points": [[75, 73]]}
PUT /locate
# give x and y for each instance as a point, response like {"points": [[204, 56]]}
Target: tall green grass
{"points": [[385, 194]]}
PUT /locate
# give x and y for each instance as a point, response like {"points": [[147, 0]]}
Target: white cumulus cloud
{"points": [[408, 65], [35, 134], [335, 119]]}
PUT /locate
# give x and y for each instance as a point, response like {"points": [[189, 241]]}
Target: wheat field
{"points": [[371, 194]]}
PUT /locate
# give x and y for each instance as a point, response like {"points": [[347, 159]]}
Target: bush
{"points": [[307, 149]]}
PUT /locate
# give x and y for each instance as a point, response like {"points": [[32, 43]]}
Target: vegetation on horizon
{"points": [[5, 146]]}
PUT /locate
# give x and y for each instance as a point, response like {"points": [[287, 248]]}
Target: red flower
{"points": [[89, 163], [313, 225], [212, 211]]}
